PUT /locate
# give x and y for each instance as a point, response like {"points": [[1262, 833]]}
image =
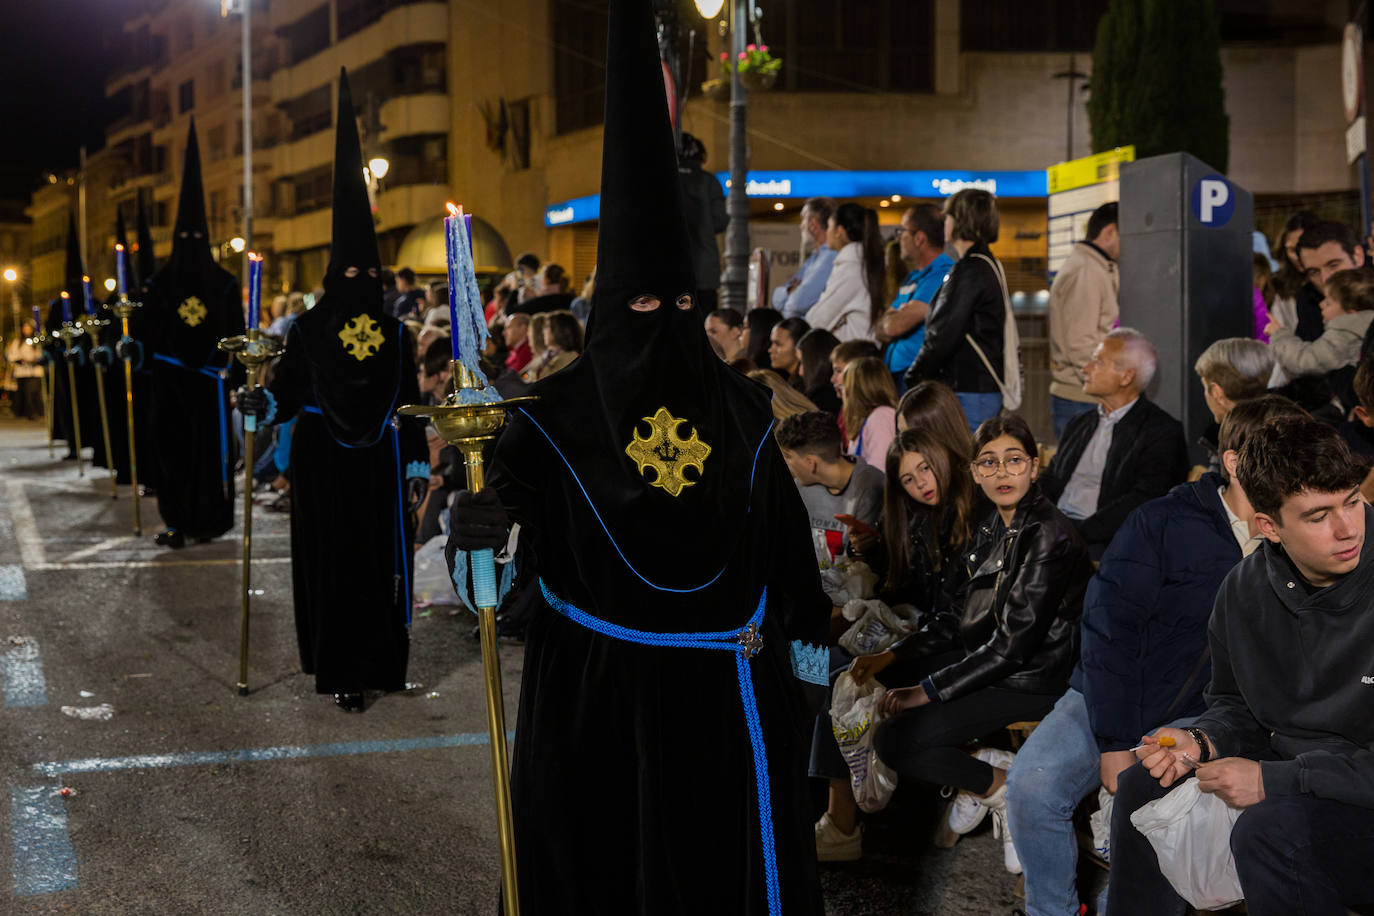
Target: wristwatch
{"points": [[1204, 749]]}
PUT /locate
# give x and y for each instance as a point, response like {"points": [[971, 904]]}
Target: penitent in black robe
{"points": [[350, 534]]}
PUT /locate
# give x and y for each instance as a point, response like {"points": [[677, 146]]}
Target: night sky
{"points": [[53, 62]]}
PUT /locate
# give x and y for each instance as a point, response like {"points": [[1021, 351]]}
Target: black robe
{"points": [[617, 741], [351, 567], [86, 405], [195, 448]]}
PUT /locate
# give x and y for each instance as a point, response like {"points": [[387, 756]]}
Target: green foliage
{"points": [[1156, 80]]}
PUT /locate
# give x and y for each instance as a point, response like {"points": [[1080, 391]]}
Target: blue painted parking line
{"points": [[12, 586], [255, 755], [22, 669], [43, 859]]}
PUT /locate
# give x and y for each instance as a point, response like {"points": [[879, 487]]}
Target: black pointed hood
{"points": [[146, 262], [352, 345], [75, 267], [354, 242], [195, 302], [637, 362]]}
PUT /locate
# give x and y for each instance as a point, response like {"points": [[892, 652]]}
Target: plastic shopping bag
{"points": [[432, 584], [876, 626], [1191, 833], [851, 719], [1101, 823]]}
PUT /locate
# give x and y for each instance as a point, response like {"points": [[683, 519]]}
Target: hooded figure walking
{"points": [[192, 303], [78, 356], [355, 472], [660, 748]]}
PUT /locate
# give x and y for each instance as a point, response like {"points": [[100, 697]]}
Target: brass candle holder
{"points": [[251, 349], [467, 423], [124, 309], [69, 332], [91, 325]]}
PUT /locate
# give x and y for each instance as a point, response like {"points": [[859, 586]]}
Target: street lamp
{"points": [[709, 8], [379, 166], [110, 285], [734, 285], [11, 275], [244, 8], [238, 244]]}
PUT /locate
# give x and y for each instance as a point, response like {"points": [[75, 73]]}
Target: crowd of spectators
{"points": [[1097, 592]]}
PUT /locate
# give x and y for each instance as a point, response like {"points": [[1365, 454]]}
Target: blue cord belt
{"points": [[223, 419], [745, 643]]}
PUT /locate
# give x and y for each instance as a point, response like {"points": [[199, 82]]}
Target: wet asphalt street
{"points": [[140, 782]]}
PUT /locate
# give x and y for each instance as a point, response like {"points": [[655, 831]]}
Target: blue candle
{"points": [[254, 288], [119, 270], [37, 321], [66, 308], [86, 296], [467, 224], [451, 252], [467, 316]]}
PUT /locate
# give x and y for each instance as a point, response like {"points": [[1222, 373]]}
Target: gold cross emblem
{"points": [[362, 337], [668, 453], [192, 311]]}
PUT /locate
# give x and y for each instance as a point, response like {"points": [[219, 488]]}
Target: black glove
{"points": [[74, 356], [477, 521], [416, 488], [252, 401], [102, 357]]}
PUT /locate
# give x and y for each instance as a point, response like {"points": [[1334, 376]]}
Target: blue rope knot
{"points": [[745, 643]]}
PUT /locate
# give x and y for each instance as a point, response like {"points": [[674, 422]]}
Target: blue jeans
{"points": [[1055, 769], [1062, 410], [979, 406]]}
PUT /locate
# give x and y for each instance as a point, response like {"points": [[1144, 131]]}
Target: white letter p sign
{"points": [[1214, 196]]}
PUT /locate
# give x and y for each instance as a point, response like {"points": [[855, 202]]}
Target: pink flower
{"points": [[763, 48], [751, 47], [724, 55], [743, 56]]}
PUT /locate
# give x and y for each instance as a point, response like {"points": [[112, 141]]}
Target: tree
{"points": [[1156, 80]]}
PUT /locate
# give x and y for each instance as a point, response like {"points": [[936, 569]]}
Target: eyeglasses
{"points": [[1015, 466]]}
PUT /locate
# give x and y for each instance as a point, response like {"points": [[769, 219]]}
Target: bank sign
{"points": [[841, 184]]}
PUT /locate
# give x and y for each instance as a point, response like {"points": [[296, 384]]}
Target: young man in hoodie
{"points": [[1287, 736], [1144, 662]]}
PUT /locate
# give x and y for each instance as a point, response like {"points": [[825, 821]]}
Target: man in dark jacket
{"points": [[703, 204], [1127, 451], [1144, 658], [1287, 737]]}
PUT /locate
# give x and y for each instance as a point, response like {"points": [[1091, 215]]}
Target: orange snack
{"points": [[1166, 741]]}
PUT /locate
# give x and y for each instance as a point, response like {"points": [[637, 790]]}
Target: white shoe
{"points": [[1010, 860], [968, 810], [834, 845]]}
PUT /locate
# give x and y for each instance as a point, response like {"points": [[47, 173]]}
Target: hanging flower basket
{"points": [[717, 89], [757, 81]]}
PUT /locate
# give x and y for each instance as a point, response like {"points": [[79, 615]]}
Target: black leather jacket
{"points": [[969, 303], [1021, 604], [934, 591]]}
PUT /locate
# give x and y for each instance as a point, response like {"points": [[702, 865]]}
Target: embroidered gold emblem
{"points": [[192, 311], [668, 453], [362, 337]]}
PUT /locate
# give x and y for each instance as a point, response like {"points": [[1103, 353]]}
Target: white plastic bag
{"points": [[851, 719], [1191, 833], [1101, 823], [432, 584], [875, 627]]}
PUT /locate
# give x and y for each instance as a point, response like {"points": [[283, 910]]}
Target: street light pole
{"points": [[247, 8], [736, 280]]}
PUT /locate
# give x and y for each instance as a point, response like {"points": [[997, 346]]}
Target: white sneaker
{"points": [[834, 845], [1010, 860], [968, 810]]}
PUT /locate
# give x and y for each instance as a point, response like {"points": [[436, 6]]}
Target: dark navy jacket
{"points": [[1146, 611]]}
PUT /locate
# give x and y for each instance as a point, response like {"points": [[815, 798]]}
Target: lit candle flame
{"points": [[254, 256], [454, 210], [85, 279], [118, 247]]}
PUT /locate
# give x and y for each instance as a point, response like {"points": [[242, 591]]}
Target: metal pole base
{"points": [[243, 690]]}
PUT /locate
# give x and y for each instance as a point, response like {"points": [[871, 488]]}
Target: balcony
{"points": [[408, 115], [417, 23]]}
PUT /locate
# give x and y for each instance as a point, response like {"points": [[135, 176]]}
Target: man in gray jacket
{"points": [[1083, 308], [1288, 735]]}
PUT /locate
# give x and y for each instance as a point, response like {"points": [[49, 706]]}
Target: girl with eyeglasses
{"points": [[1027, 569], [929, 508]]}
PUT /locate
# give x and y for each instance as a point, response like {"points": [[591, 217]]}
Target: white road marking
{"points": [[25, 528]]}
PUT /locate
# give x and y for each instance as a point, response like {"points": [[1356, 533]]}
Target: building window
{"points": [[308, 35], [310, 113], [313, 190], [1029, 25], [186, 96], [579, 70], [356, 15], [215, 143], [853, 45]]}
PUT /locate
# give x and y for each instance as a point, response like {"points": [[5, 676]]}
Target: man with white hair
{"points": [[1121, 455]]}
